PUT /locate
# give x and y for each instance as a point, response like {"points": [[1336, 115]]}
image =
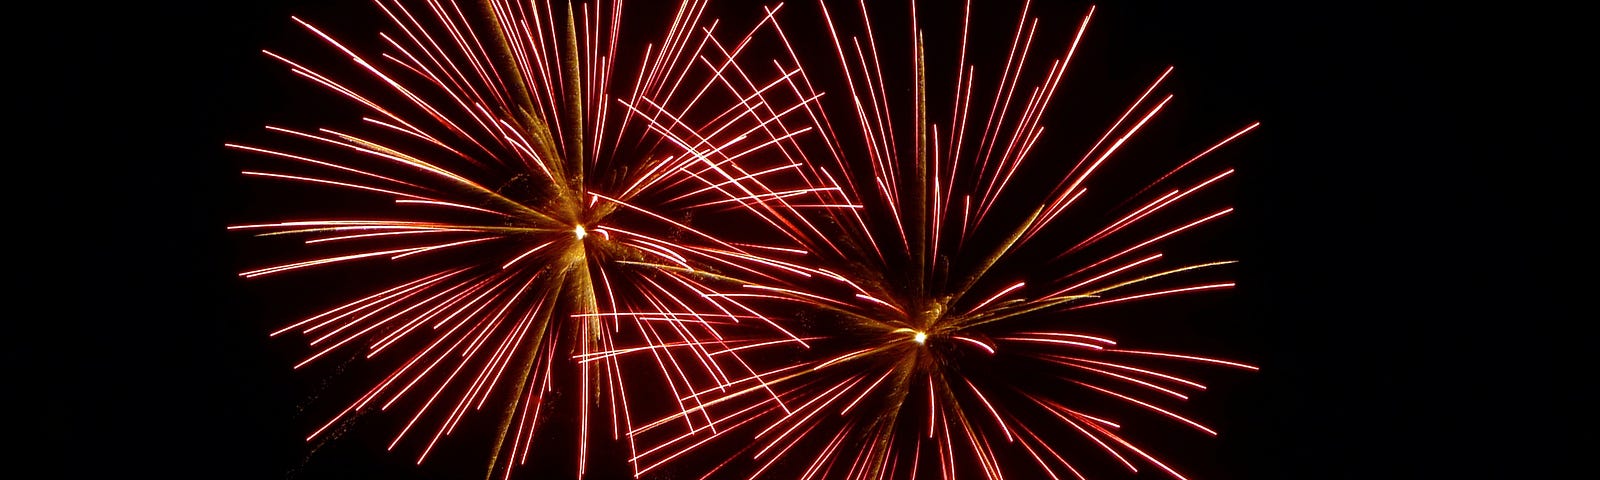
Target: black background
{"points": [[1406, 217]]}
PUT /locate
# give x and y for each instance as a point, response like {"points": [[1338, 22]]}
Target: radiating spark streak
{"points": [[378, 308], [1042, 444], [1149, 209], [796, 251], [339, 224], [1106, 341], [731, 181], [469, 296], [449, 379], [762, 197], [521, 145], [419, 135], [313, 161], [882, 101], [996, 108], [757, 378], [842, 279], [607, 354], [1056, 410], [674, 50], [664, 219], [933, 406], [1054, 342], [674, 164], [938, 213], [318, 262], [498, 363], [845, 357], [723, 78], [1079, 179], [694, 147], [664, 315], [336, 87], [663, 252], [328, 182], [483, 300], [894, 211], [702, 353], [430, 248], [1190, 358], [1161, 293], [990, 407], [716, 166], [1030, 118], [1056, 206], [947, 463], [1075, 360], [1141, 453], [1200, 155], [412, 63], [754, 378], [358, 60], [443, 355], [830, 138], [375, 311], [864, 392], [1148, 406], [669, 367], [418, 283], [765, 104], [827, 453], [1138, 213], [790, 294], [877, 301], [373, 393], [1097, 278], [382, 234], [986, 347], [685, 450], [687, 436], [1154, 239], [1129, 379], [802, 413], [1113, 128], [996, 296]]}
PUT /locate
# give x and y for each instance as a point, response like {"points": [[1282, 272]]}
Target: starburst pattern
{"points": [[519, 171], [939, 338]]}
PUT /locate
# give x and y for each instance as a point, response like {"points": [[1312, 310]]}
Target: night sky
{"points": [[1408, 284]]}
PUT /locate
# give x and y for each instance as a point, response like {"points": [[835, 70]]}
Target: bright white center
{"points": [[580, 232], [919, 338]]}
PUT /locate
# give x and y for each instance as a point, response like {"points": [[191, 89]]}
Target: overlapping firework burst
{"points": [[548, 184], [723, 246]]}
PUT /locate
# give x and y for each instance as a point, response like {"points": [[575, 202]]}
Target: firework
{"points": [[518, 172], [946, 328]]}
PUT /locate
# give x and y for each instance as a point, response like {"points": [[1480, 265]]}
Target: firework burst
{"points": [[519, 171], [947, 320]]}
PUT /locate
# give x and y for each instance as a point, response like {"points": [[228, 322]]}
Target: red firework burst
{"points": [[519, 171], [944, 329]]}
